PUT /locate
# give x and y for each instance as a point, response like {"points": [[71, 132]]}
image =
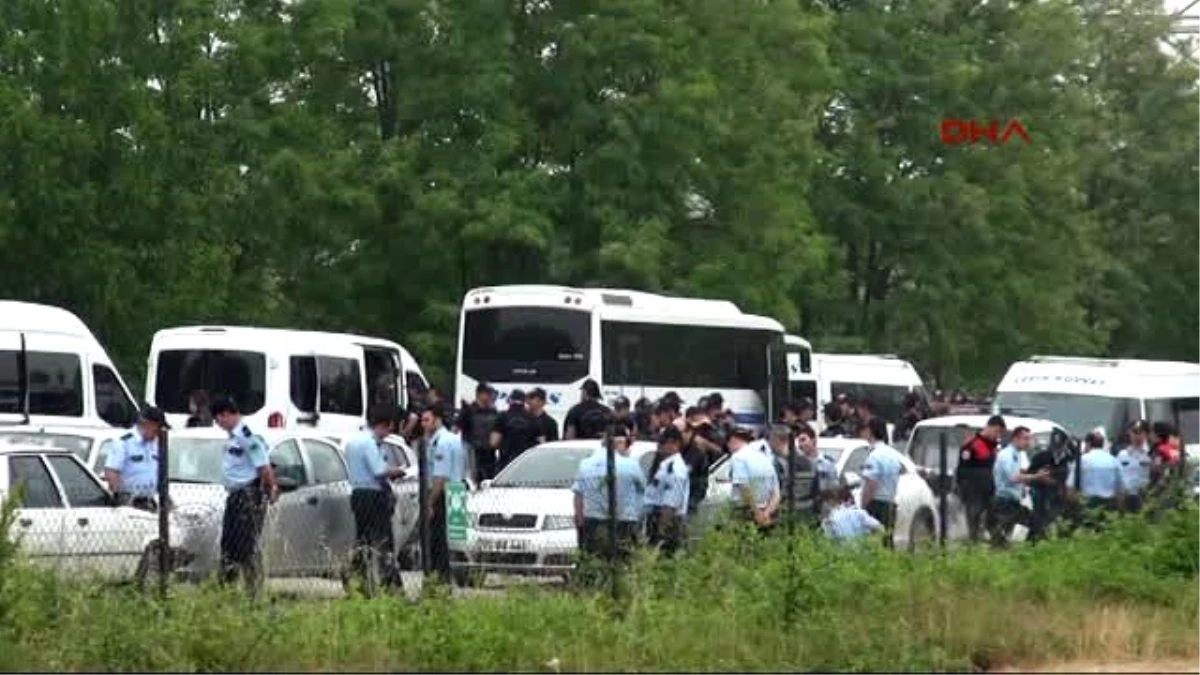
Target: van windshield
{"points": [[55, 383], [239, 374], [1078, 413]]}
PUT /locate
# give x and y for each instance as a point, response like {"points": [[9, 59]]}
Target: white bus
{"points": [[633, 344], [1084, 393]]}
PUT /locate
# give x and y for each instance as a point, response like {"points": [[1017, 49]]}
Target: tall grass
{"points": [[1128, 594]]}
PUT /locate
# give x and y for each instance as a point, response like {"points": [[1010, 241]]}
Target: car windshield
{"points": [[79, 445], [544, 467], [1078, 413], [196, 460]]}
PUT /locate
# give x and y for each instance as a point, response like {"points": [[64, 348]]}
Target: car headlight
{"points": [[558, 523]]}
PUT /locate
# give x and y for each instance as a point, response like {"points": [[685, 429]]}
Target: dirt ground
{"points": [[1155, 666]]}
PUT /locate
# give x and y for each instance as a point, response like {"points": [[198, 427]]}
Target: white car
{"points": [[309, 532], [66, 518], [523, 521], [928, 437], [89, 444], [916, 514]]}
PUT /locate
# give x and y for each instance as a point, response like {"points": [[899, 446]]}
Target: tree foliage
{"points": [[358, 164]]}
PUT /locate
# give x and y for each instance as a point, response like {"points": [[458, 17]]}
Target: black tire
{"points": [[147, 576]]}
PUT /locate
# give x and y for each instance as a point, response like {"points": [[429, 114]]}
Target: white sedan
{"points": [[67, 520], [952, 432], [523, 521], [916, 513], [90, 444]]}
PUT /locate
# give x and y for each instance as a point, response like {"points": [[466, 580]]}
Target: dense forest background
{"points": [[357, 165]]}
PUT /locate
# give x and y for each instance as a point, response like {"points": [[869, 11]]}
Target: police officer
{"points": [[1101, 483], [589, 418], [847, 522], [371, 498], [973, 475], [1009, 480], [250, 486], [1136, 465], [755, 483], [131, 468], [881, 475], [667, 495], [449, 464], [475, 424], [591, 498], [515, 431]]}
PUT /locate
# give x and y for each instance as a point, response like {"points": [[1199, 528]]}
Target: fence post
{"points": [[791, 486], [610, 476], [789, 600], [423, 506], [943, 484], [164, 518]]}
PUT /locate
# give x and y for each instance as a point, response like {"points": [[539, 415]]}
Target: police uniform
{"points": [[752, 473], [1100, 480], [449, 463], [245, 503], [975, 483], [848, 522], [1135, 475], [372, 501], [883, 465], [827, 473], [591, 483], [669, 489], [136, 460]]}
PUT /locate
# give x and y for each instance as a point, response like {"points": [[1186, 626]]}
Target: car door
{"points": [[408, 507], [38, 522], [291, 532], [333, 520], [102, 540]]}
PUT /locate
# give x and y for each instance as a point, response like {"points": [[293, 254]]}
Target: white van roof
{"points": [[29, 317], [1123, 378], [1034, 424], [263, 337], [882, 369]]}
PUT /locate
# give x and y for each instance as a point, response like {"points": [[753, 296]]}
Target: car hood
{"points": [[547, 501], [197, 493]]}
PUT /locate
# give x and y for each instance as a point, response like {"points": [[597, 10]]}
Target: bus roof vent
{"points": [[618, 300]]}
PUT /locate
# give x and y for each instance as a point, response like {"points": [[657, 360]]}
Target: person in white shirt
{"points": [[755, 482]]}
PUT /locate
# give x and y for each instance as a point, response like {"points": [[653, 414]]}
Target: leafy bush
{"points": [[736, 602]]}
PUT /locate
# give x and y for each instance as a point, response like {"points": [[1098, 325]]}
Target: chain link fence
{"points": [[544, 519]]}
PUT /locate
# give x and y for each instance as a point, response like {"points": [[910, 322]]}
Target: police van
{"points": [[1085, 393], [883, 379], [280, 378], [54, 372]]}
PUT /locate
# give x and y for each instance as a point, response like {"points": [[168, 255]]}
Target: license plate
{"points": [[501, 545]]}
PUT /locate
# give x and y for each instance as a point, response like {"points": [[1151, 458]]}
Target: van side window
{"points": [[415, 383], [1182, 413], [112, 403], [341, 385], [304, 383], [240, 374], [55, 383]]}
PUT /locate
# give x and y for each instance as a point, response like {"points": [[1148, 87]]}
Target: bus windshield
{"points": [[1078, 413], [526, 344]]}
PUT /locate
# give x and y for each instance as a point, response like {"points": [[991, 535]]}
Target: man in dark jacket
{"points": [[515, 431], [589, 418], [973, 475], [475, 424]]}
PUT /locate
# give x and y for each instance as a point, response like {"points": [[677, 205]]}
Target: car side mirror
{"points": [[853, 480], [286, 483]]}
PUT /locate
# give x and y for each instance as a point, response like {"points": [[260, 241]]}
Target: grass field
{"points": [[735, 603]]}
